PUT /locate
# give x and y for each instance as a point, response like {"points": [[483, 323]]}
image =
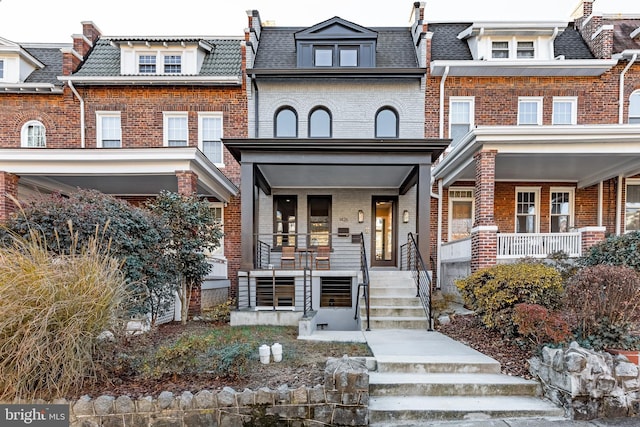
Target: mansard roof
{"points": [[622, 30], [223, 58]]}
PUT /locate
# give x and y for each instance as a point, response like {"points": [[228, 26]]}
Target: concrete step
{"points": [[449, 364], [421, 408], [404, 292], [388, 322], [395, 311], [450, 384], [391, 300]]}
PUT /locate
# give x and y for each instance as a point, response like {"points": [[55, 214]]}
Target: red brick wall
{"points": [[8, 187]]}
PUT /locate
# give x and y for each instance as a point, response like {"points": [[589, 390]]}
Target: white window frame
{"points": [[167, 55], [139, 55], [2, 70], [460, 199], [24, 134], [461, 99], [211, 115], [536, 191], [572, 198], [573, 101], [634, 101], [530, 99], [512, 48], [99, 137], [219, 251], [517, 49], [628, 181], [167, 115]]}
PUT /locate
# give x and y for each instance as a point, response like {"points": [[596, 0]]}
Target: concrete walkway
{"points": [[422, 347]]}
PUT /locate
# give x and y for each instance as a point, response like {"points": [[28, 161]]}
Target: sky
{"points": [[54, 21]]}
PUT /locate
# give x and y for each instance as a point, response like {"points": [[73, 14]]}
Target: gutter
{"points": [[621, 94], [442, 81], [82, 124]]}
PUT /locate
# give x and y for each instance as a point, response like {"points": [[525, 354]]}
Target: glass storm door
{"points": [[384, 232]]}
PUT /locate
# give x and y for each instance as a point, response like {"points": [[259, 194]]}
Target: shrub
{"points": [[539, 325], [603, 300], [615, 250], [494, 292], [137, 237], [53, 309]]}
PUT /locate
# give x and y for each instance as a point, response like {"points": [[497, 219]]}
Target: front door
{"points": [[383, 246]]}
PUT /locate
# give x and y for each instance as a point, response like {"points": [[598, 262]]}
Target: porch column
{"points": [[484, 238], [247, 206], [187, 182], [8, 187], [423, 217], [590, 236]]}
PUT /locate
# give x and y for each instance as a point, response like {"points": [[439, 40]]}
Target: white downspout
{"points": [[619, 206], [621, 95], [438, 196], [442, 80], [75, 92]]}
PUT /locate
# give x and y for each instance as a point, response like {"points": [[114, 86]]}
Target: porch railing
{"points": [[364, 285], [412, 261], [538, 245], [263, 255]]}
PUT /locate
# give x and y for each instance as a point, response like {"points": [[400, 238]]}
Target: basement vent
{"points": [[335, 292], [275, 292]]}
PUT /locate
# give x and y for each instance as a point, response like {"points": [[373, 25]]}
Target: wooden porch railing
{"points": [[538, 245]]}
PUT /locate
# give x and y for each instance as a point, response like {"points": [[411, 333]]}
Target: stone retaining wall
{"points": [[588, 384], [343, 400]]}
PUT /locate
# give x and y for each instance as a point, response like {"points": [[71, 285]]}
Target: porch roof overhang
{"points": [[122, 171], [336, 163], [584, 154]]}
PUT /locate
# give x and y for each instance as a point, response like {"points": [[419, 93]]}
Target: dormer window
{"points": [[172, 64], [323, 57], [1, 69], [348, 57], [525, 50], [147, 64], [505, 49], [500, 50]]}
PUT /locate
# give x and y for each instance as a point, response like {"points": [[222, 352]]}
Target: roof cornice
{"points": [[556, 67], [338, 72], [40, 88], [155, 80]]}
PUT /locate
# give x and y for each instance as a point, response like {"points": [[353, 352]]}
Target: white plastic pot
{"points": [[276, 349], [265, 355]]}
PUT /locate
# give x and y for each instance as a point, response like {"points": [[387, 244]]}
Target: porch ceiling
{"points": [[585, 155], [326, 176]]}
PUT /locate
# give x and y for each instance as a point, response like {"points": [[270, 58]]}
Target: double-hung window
{"points": [[461, 111], [530, 110], [500, 50], [147, 64], [527, 209], [1, 69], [176, 132], [632, 206], [460, 212], [172, 64], [210, 136], [525, 50], [564, 110], [634, 108], [561, 205], [108, 129], [33, 135]]}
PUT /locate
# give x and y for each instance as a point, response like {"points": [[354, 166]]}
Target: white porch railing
{"points": [[458, 250], [538, 245]]}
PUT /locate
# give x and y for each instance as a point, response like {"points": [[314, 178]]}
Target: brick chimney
{"points": [[418, 31], [82, 44], [597, 35]]}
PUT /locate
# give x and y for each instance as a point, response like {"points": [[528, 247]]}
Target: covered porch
{"points": [[317, 214], [532, 191]]}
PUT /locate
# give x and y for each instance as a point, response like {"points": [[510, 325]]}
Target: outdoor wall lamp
{"points": [[360, 216], [405, 216]]}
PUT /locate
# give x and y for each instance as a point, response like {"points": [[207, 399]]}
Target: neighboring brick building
{"points": [[129, 116], [542, 155]]}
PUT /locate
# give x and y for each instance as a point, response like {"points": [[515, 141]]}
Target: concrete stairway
{"points": [[393, 301], [424, 375]]}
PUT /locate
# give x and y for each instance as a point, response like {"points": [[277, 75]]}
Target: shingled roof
{"points": [[51, 57], [277, 48], [446, 46], [225, 59], [622, 29]]}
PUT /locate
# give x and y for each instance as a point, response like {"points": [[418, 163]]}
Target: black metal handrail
{"points": [[308, 294], [411, 259], [365, 283], [263, 255]]}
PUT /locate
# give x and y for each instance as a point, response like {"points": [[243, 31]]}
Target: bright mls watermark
{"points": [[34, 415]]}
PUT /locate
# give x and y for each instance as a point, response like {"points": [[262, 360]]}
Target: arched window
{"points": [[286, 125], [320, 123], [33, 135], [386, 123], [634, 108]]}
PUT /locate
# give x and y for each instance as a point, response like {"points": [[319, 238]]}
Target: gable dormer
{"points": [[16, 64], [336, 43], [161, 56], [504, 41]]}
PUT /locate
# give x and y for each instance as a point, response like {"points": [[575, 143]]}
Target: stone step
{"points": [[450, 384], [422, 408], [438, 364], [395, 311], [389, 322]]}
